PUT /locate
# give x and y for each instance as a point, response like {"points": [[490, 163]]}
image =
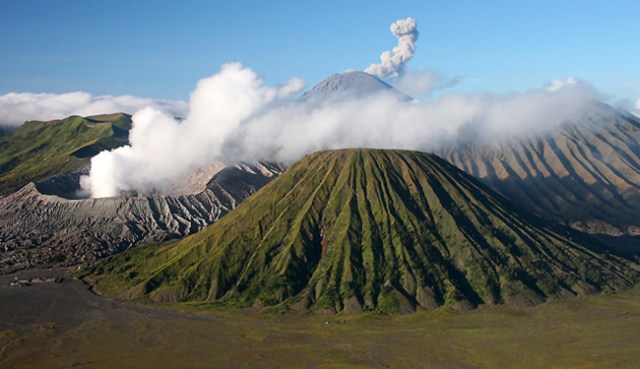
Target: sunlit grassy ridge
{"points": [[41, 149], [353, 230]]}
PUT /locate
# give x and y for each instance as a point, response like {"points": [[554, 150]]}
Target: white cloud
{"points": [[423, 83], [561, 83], [637, 109], [161, 148], [16, 108], [234, 116]]}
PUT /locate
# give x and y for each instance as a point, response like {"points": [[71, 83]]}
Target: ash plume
{"points": [[392, 63]]}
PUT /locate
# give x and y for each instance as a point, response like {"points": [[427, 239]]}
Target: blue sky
{"points": [[160, 49]]}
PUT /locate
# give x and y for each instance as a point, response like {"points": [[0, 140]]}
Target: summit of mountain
{"points": [[353, 84]]}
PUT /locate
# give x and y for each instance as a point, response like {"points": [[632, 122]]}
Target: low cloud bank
{"points": [[16, 108], [422, 83], [234, 116]]}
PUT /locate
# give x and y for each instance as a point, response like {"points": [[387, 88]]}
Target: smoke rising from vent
{"points": [[392, 63], [234, 116], [162, 148], [16, 108]]}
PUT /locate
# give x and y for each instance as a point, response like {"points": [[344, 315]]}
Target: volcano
{"points": [[354, 85], [352, 230]]}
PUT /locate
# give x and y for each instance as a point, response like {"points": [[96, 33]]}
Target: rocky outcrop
{"points": [[44, 229]]}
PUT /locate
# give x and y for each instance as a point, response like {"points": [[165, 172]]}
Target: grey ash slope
{"points": [[44, 230], [585, 173], [353, 85]]}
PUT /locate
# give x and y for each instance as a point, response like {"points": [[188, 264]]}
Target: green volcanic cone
{"points": [[353, 230]]}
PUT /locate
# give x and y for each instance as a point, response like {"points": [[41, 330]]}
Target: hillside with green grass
{"points": [[352, 230], [41, 149]]}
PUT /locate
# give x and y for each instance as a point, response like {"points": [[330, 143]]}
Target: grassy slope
{"points": [[589, 332], [41, 149], [370, 229]]}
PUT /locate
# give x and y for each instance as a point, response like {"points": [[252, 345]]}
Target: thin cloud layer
{"points": [[16, 108], [234, 116], [423, 83], [560, 83], [635, 110]]}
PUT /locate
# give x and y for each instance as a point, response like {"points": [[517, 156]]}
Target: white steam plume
{"points": [[16, 108], [162, 148], [235, 116], [392, 63]]}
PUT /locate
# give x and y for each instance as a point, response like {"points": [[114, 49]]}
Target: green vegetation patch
{"points": [[42, 149]]}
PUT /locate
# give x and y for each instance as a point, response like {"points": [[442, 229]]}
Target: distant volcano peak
{"points": [[354, 83]]}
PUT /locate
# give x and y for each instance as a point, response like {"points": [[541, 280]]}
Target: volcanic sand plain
{"points": [[66, 325]]}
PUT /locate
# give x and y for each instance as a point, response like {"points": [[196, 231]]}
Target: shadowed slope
{"points": [[585, 174], [369, 229]]}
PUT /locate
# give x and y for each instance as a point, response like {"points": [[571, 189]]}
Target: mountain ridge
{"points": [[39, 149], [584, 173]]}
